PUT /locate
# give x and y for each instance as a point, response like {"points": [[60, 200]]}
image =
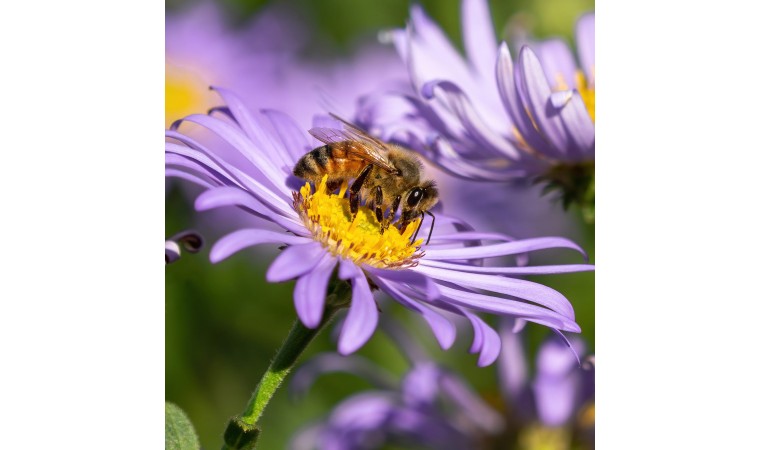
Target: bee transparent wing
{"points": [[358, 133], [361, 147]]}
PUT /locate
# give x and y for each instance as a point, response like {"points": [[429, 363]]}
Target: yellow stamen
{"points": [[328, 217]]}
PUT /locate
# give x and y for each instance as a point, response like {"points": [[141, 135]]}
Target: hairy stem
{"points": [[243, 431]]}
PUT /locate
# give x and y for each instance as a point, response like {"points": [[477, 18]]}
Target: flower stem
{"points": [[243, 431]]}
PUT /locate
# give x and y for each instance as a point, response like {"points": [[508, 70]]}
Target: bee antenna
{"points": [[431, 227]]}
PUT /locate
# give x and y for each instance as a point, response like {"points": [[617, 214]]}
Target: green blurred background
{"points": [[224, 322]]}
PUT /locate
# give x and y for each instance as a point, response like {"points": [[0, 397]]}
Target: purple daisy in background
{"points": [[489, 118], [318, 237], [432, 407]]}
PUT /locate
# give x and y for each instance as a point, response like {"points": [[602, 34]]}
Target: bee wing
{"points": [[362, 146]]}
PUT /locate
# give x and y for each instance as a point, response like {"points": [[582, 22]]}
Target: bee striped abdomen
{"points": [[314, 163]]}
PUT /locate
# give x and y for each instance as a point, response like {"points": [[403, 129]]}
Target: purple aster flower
{"points": [[319, 237], [432, 407], [487, 117]]}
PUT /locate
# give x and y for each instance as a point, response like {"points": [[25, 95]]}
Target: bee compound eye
{"points": [[414, 197]]}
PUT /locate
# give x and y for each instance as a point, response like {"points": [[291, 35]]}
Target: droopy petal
{"points": [[295, 261], [361, 320], [443, 330], [240, 239], [485, 340], [311, 290], [292, 137]]}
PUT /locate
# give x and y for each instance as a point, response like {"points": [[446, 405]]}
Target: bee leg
{"points": [[333, 185], [394, 209], [379, 206], [422, 219], [356, 186]]}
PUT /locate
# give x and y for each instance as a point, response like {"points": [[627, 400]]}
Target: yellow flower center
{"points": [[185, 94], [360, 238]]}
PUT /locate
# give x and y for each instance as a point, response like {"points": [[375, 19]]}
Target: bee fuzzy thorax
{"points": [[360, 237]]}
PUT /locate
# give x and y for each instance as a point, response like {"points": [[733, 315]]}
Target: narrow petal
{"points": [[361, 320], [502, 306], [528, 290], [485, 341], [410, 278], [507, 85], [311, 290], [458, 102], [240, 239], [295, 261], [507, 248], [292, 137], [233, 196], [254, 130], [443, 330], [552, 122], [558, 63], [478, 34], [533, 270]]}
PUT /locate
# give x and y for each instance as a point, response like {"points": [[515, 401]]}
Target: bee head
{"points": [[419, 199]]}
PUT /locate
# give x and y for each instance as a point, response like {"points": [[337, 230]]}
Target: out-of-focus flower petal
{"points": [[479, 38], [586, 47]]}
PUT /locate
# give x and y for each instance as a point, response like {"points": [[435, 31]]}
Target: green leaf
{"points": [[179, 432]]}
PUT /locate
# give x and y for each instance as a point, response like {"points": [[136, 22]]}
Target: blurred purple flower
{"points": [[319, 237], [487, 117], [434, 408], [262, 63]]}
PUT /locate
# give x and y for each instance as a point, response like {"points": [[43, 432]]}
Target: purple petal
{"points": [[558, 63], [528, 290], [409, 278], [479, 38], [485, 341], [533, 270], [570, 129], [272, 172], [233, 196], [168, 173], [585, 42], [502, 306], [420, 385], [292, 137], [443, 330], [471, 404], [321, 364], [361, 320], [508, 248], [557, 383], [311, 290], [458, 102], [513, 365], [507, 84], [240, 239], [295, 261], [254, 130]]}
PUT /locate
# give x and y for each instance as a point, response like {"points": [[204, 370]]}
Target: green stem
{"points": [[243, 431]]}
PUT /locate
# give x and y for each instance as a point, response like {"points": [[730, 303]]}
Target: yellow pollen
{"points": [[328, 217]]}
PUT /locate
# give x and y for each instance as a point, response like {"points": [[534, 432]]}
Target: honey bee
{"points": [[385, 176]]}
